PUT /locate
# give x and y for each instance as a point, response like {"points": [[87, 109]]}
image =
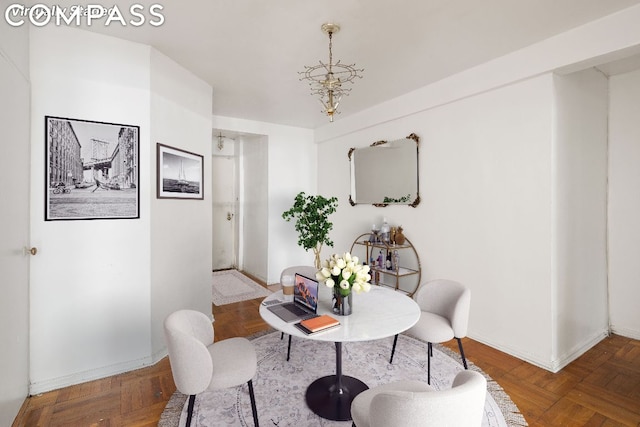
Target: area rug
{"points": [[231, 286], [280, 386]]}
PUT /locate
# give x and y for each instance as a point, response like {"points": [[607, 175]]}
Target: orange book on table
{"points": [[319, 323]]}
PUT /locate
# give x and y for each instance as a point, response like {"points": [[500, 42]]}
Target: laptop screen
{"points": [[305, 292]]}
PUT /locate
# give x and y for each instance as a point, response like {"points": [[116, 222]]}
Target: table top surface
{"points": [[377, 314]]}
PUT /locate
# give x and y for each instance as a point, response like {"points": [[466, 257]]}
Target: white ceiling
{"points": [[250, 51]]}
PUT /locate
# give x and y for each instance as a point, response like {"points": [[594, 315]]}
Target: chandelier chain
{"points": [[330, 52]]}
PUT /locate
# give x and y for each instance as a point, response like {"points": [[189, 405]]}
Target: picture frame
{"points": [[92, 170], [180, 173]]}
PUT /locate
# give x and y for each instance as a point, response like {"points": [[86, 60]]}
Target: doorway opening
{"points": [[225, 200], [240, 202]]}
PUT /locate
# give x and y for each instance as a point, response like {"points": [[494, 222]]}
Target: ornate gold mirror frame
{"points": [[385, 173]]}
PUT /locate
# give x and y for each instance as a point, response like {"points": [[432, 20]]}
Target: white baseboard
{"points": [[626, 332], [513, 352], [549, 365], [94, 374], [578, 351]]}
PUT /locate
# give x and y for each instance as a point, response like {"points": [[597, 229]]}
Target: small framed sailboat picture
{"points": [[92, 170], [180, 174]]}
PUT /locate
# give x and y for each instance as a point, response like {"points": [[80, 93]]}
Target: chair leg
{"points": [[253, 404], [429, 353], [289, 348], [192, 400], [464, 361], [281, 335], [393, 349]]}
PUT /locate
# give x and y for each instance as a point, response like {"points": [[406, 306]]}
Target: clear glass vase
{"points": [[342, 304]]}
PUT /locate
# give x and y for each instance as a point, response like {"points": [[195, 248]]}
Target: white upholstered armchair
{"points": [[199, 364], [444, 306], [416, 404]]}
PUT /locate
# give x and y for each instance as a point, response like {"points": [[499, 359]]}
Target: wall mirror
{"points": [[385, 173]]}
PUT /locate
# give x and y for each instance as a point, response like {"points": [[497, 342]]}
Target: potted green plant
{"points": [[311, 214]]}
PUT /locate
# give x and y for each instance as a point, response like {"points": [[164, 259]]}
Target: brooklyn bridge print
{"points": [[92, 170]]}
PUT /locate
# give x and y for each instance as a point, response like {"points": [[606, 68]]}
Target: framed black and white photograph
{"points": [[92, 170], [180, 174]]}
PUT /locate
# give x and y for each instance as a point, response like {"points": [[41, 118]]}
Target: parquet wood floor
{"points": [[601, 388]]}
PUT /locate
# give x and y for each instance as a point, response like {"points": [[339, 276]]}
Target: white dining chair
{"points": [[198, 364], [416, 404], [444, 315]]}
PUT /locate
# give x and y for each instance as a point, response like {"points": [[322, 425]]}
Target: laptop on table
{"points": [[305, 301]]}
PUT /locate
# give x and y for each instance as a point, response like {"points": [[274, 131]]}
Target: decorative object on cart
{"points": [[180, 174], [375, 234], [345, 275], [399, 238], [311, 214], [328, 81], [396, 260], [92, 170], [405, 272], [385, 231], [385, 173]]}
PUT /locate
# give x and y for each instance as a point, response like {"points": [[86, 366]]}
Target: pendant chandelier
{"points": [[220, 141], [327, 80]]}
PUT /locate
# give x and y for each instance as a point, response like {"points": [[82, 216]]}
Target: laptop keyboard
{"points": [[297, 310], [300, 313]]}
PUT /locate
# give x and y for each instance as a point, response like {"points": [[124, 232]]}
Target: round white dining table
{"points": [[379, 313]]}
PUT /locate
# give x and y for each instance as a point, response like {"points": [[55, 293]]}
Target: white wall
{"points": [[580, 300], [101, 288], [90, 287], [14, 220], [293, 167], [493, 165], [254, 203], [181, 230], [289, 148], [485, 216], [624, 204]]}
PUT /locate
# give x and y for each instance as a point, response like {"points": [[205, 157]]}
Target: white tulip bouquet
{"points": [[344, 273]]}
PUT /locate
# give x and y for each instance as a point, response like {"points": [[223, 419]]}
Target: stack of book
{"points": [[317, 324]]}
